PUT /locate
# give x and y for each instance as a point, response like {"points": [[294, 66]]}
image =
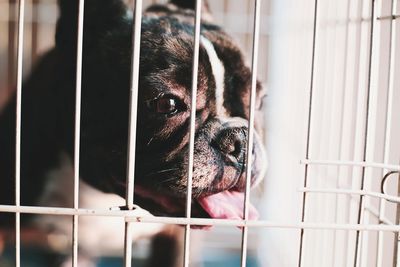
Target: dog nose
{"points": [[232, 142]]}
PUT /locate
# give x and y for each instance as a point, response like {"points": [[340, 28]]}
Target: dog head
{"points": [[164, 106]]}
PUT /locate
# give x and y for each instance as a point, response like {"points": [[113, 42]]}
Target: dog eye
{"points": [[166, 105]]}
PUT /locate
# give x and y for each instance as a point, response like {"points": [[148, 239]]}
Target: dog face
{"points": [[164, 106], [164, 114]]}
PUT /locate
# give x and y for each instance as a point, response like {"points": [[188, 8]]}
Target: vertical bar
{"points": [[343, 252], [361, 204], [308, 128], [21, 12], [195, 67], [78, 95], [389, 101], [11, 46], [249, 154], [361, 111], [130, 182], [339, 11], [396, 234], [128, 245], [247, 36], [133, 103], [394, 81], [35, 26], [342, 208]]}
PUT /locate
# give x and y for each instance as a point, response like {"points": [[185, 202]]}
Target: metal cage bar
{"points": [[11, 46], [21, 13], [362, 202], [130, 217], [396, 234], [35, 28], [130, 182], [303, 206], [195, 68], [389, 115], [395, 52], [382, 197], [78, 96], [364, 164], [249, 153]]}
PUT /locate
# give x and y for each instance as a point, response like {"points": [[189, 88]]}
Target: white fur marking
{"points": [[92, 230], [219, 75]]}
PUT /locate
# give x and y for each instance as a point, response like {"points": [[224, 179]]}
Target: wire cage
{"points": [[346, 194]]}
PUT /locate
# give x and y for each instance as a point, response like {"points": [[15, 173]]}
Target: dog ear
{"points": [[191, 4], [99, 16]]}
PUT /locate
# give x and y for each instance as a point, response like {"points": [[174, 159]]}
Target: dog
{"points": [[163, 116]]}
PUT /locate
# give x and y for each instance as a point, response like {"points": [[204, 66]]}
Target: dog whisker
{"points": [[166, 170], [168, 180], [151, 140], [162, 171]]}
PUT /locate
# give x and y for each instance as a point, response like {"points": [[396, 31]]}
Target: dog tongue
{"points": [[227, 205]]}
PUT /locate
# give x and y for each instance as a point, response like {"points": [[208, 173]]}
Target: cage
{"points": [[330, 197]]}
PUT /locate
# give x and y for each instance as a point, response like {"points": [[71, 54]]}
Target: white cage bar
{"points": [[136, 34], [21, 13], [130, 216], [78, 95], [303, 205], [384, 225], [195, 68], [249, 153]]}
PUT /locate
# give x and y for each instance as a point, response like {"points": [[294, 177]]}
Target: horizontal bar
{"points": [[374, 212], [66, 211], [266, 224], [351, 192], [392, 17], [389, 167], [133, 216]]}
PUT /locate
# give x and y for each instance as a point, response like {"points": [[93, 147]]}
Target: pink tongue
{"points": [[227, 205]]}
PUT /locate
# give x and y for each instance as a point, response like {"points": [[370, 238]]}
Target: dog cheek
{"points": [[206, 166], [206, 169]]}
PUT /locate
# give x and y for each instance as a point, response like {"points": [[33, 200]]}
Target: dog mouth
{"points": [[228, 204], [218, 186]]}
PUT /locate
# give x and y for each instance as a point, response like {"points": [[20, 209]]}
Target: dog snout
{"points": [[231, 142]]}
